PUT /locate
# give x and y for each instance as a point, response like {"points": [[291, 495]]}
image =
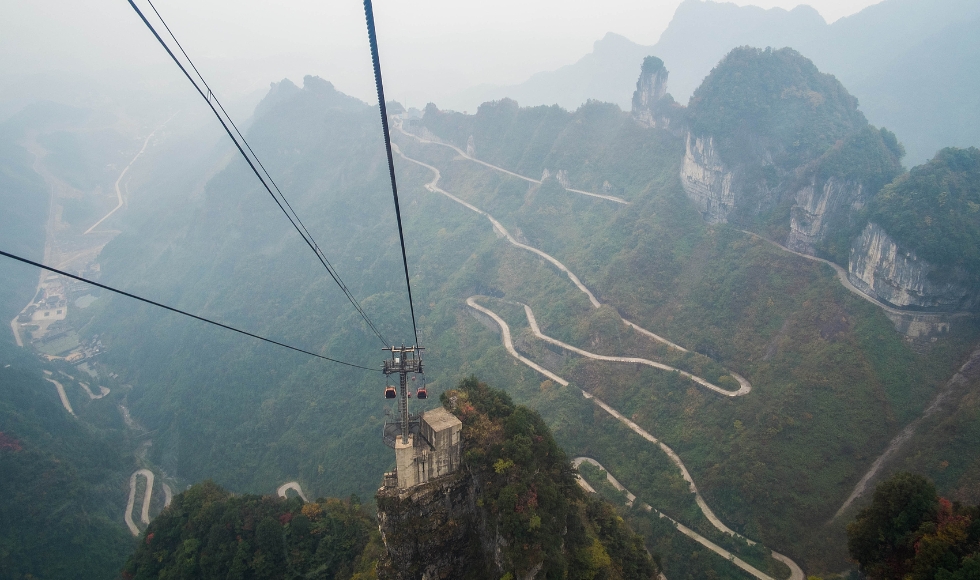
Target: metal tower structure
{"points": [[404, 360]]}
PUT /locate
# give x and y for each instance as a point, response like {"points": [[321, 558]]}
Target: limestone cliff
{"points": [[430, 531], [651, 88], [775, 145], [815, 207], [882, 269], [706, 179]]}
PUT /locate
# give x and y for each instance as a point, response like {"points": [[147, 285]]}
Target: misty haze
{"points": [[449, 290]]}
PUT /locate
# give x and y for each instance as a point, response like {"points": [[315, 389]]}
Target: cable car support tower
{"points": [[404, 360]]}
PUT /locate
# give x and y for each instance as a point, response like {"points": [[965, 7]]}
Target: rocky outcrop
{"points": [[430, 531], [648, 99], [879, 267], [810, 216], [706, 180]]}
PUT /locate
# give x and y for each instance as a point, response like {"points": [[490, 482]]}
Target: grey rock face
{"points": [[882, 269], [706, 180], [651, 88], [429, 530], [809, 217]]}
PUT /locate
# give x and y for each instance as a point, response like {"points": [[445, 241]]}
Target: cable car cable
{"points": [[254, 155], [178, 311], [373, 38], [293, 220]]}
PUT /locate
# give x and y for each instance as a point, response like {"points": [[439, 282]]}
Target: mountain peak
{"points": [[612, 43]]}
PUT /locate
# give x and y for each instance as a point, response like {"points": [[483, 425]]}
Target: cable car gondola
{"points": [[422, 393], [390, 392]]}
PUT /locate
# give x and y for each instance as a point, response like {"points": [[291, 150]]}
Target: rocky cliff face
{"points": [[880, 268], [775, 145], [811, 215], [706, 179], [648, 99], [431, 531]]}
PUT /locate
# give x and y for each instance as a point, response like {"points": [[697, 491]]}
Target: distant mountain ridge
{"points": [[897, 57]]}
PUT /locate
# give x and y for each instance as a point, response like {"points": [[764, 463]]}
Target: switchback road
{"points": [[145, 513], [463, 154], [797, 572], [744, 386]]}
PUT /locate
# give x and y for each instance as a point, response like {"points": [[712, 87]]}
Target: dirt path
{"points": [[145, 513], [463, 154], [968, 370], [797, 572], [294, 485]]}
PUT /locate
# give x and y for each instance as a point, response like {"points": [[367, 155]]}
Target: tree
{"points": [[882, 538]]}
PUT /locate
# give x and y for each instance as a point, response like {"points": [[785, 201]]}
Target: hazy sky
{"points": [[428, 47]]}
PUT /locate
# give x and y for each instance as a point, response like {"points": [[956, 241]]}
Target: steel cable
{"points": [[177, 310], [290, 214], [372, 37]]}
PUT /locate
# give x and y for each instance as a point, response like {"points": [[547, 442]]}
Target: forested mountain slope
{"points": [[831, 380], [62, 482], [912, 65], [756, 310], [778, 147], [229, 254]]}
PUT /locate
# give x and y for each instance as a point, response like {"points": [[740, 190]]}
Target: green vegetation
{"points": [[651, 65], [909, 532], [829, 371], [869, 157], [531, 497], [943, 446], [934, 210], [209, 533], [832, 380], [778, 97], [62, 483], [782, 126]]}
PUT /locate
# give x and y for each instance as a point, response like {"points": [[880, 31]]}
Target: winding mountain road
{"points": [[119, 195], [845, 281], [461, 153], [796, 571], [103, 391], [168, 494], [744, 389], [145, 513], [744, 386]]}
